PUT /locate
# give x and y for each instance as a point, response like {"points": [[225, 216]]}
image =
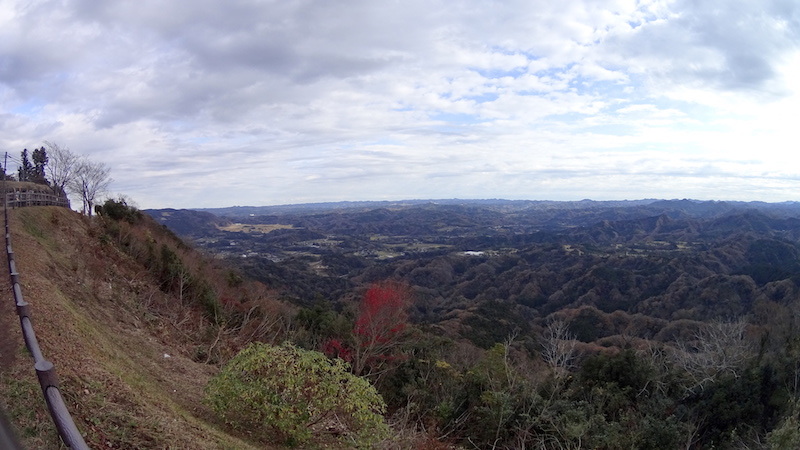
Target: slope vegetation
{"points": [[131, 340]]}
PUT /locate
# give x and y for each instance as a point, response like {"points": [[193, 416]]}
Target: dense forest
{"points": [[649, 324]]}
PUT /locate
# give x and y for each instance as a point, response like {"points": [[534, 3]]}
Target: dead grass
{"points": [[27, 186], [126, 369]]}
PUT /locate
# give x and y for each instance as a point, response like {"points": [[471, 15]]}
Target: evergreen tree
{"points": [[25, 167], [40, 160]]}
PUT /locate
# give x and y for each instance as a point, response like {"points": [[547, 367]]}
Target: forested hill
{"points": [[483, 218], [639, 300], [538, 257], [633, 325]]}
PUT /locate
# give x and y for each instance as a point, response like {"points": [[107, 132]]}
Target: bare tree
{"points": [[717, 348], [90, 181], [558, 346], [660, 357], [61, 166]]}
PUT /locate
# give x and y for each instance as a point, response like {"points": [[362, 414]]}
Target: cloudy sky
{"points": [[208, 103]]}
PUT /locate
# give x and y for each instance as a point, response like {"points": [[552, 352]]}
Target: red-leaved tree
{"points": [[380, 328], [379, 331]]}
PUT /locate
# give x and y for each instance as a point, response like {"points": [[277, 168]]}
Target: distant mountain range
{"points": [[695, 208], [306, 208]]}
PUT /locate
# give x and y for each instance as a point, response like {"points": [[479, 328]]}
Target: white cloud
{"points": [[260, 102]]}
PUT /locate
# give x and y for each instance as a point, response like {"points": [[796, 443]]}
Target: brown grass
{"points": [[123, 349]]}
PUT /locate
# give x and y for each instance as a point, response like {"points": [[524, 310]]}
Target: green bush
{"points": [[293, 395], [786, 436], [119, 210]]}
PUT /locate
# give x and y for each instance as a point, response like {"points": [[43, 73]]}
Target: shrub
{"points": [[786, 436], [290, 394], [119, 210]]}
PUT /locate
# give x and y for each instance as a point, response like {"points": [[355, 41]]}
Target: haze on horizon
{"points": [[249, 102]]}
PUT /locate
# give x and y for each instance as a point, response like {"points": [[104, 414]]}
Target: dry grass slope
{"points": [[123, 349]]}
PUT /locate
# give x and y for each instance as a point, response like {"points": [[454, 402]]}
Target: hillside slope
{"points": [[129, 356]]}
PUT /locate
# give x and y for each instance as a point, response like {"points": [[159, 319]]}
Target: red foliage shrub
{"points": [[334, 348]]}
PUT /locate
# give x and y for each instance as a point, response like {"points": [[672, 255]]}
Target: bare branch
{"points": [[90, 181], [61, 166], [717, 348], [558, 346]]}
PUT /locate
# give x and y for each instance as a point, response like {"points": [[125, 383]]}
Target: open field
{"points": [[254, 228]]}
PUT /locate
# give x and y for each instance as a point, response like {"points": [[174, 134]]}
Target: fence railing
{"points": [[17, 198], [45, 371]]}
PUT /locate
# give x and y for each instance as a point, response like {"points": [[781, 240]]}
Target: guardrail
{"points": [[45, 371], [19, 198]]}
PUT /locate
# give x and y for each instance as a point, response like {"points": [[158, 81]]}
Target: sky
{"points": [[209, 103]]}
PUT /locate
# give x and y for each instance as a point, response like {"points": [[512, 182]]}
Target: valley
{"points": [[498, 324], [630, 268]]}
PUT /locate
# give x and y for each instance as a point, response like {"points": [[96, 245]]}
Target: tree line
{"points": [[64, 172]]}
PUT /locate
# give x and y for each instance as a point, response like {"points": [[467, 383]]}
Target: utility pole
{"points": [[5, 192]]}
